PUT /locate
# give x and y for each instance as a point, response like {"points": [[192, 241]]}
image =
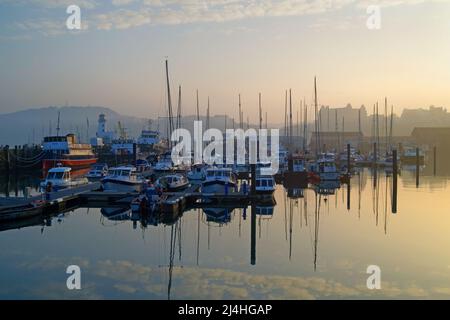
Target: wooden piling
{"points": [[394, 181], [253, 235], [7, 160], [434, 160], [417, 167], [348, 159], [253, 179], [16, 154], [348, 195]]}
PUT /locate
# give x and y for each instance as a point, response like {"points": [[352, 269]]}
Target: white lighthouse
{"points": [[102, 135], [101, 130]]}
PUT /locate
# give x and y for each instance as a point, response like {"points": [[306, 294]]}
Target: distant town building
{"points": [[426, 136], [336, 140]]}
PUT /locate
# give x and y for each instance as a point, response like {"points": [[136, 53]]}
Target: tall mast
{"points": [[57, 127], [290, 118], [169, 105], [179, 108], [386, 124], [198, 109], [240, 112], [391, 129], [260, 112], [266, 120], [305, 126], [316, 117], [359, 128], [207, 116], [285, 115], [378, 130]]}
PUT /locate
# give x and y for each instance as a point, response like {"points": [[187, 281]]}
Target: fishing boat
{"points": [[173, 182], [142, 166], [123, 179], [197, 172], [66, 151], [148, 138], [61, 178], [219, 180], [97, 172], [164, 163], [326, 170]]}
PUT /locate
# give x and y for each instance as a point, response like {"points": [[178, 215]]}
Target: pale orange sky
{"points": [[223, 48]]}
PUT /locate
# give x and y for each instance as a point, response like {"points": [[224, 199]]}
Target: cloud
{"points": [[52, 4], [178, 12], [119, 3], [125, 278]]}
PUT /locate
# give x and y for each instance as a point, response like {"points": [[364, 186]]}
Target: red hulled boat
{"points": [[65, 150]]}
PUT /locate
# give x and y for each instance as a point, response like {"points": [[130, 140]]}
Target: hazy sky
{"points": [[223, 47]]}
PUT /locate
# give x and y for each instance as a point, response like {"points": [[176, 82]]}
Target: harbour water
{"points": [[317, 246]]}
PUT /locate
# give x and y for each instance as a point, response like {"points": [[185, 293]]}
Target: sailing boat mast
{"points": [[240, 114], [179, 109], [305, 126], [386, 125], [169, 105], [58, 128], [290, 118], [316, 118], [260, 112], [391, 127], [198, 108], [207, 116]]}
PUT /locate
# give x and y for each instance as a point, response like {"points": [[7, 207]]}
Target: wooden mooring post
{"points": [[434, 160], [417, 167], [394, 181], [253, 179], [253, 235]]}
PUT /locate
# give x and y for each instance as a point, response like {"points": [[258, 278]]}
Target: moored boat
{"points": [[219, 180], [123, 179], [61, 178], [66, 151]]}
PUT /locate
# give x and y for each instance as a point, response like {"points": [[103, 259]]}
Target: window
{"points": [[264, 183]]}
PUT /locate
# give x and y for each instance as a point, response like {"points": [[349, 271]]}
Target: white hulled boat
{"points": [[123, 179], [219, 180]]}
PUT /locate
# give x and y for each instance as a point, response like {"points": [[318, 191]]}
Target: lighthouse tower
{"points": [[101, 130]]}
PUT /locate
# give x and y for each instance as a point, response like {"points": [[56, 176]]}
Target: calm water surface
{"points": [[312, 247]]}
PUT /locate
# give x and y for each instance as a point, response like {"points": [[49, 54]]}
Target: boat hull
{"points": [[121, 186], [218, 186], [47, 164]]}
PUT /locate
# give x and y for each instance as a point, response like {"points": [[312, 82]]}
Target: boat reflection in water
{"points": [[220, 216], [116, 214], [327, 187]]}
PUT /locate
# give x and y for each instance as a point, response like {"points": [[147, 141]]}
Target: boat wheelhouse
{"points": [[65, 150], [123, 179], [61, 178], [219, 180]]}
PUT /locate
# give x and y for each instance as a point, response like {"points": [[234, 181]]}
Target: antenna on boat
{"points": [[198, 107], [58, 128]]}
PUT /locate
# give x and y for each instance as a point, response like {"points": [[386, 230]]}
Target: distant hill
{"points": [[30, 126]]}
